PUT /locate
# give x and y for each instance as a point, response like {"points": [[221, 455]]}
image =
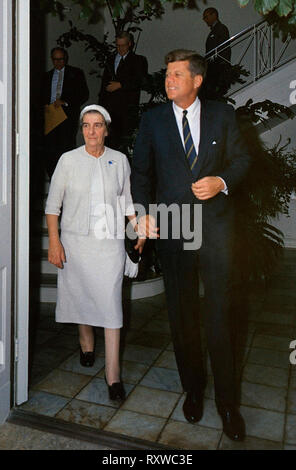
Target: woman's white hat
{"points": [[96, 107]]}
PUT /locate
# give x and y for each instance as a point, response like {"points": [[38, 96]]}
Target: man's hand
{"points": [[58, 103], [207, 187], [147, 227], [113, 86]]}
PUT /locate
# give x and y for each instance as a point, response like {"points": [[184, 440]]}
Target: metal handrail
{"points": [[257, 50], [236, 36]]}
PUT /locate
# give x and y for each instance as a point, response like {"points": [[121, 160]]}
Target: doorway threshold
{"points": [[80, 432]]}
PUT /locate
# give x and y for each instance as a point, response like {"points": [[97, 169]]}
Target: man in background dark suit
{"points": [[64, 86], [218, 65], [121, 87], [219, 33], [194, 151]]}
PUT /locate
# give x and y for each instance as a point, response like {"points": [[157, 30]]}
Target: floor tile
{"points": [[164, 379], [250, 443], [63, 383], [44, 403], [151, 401], [210, 418], [51, 356], [262, 396], [289, 447], [14, 437], [290, 437], [96, 392], [292, 401], [185, 436], [284, 331], [136, 425], [148, 339], [264, 424], [167, 359], [140, 354], [131, 372], [271, 342], [158, 326], [265, 375], [80, 412], [293, 377], [268, 357], [63, 341], [73, 365]]}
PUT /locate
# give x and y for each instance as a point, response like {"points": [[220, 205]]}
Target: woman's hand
{"points": [[56, 253]]}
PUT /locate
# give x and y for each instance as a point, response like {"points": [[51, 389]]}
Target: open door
{"points": [[6, 53], [22, 184]]}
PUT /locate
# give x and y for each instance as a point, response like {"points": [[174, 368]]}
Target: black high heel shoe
{"points": [[87, 359], [116, 390]]}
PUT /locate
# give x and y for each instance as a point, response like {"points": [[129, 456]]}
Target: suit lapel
{"points": [[203, 141]]}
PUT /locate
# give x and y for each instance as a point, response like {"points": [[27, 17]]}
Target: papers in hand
{"points": [[53, 117]]}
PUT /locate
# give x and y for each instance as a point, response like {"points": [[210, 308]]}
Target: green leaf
{"points": [[284, 7], [265, 6], [243, 3]]}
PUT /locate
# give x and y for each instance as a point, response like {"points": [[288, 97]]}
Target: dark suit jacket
{"points": [[75, 91], [130, 73], [159, 158], [219, 33]]}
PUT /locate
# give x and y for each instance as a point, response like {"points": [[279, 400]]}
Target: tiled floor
{"points": [[61, 388]]}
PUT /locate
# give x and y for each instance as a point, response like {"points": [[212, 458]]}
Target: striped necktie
{"points": [[188, 142]]}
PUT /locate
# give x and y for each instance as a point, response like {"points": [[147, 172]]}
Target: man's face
{"points": [[209, 17], [58, 60], [122, 46], [180, 85]]}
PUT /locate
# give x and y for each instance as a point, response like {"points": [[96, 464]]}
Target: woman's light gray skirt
{"points": [[90, 284]]}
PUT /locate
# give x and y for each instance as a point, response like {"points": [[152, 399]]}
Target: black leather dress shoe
{"points": [[193, 407], [233, 423], [87, 359]]}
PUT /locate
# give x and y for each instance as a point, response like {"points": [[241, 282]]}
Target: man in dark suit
{"points": [[64, 86], [218, 65], [196, 158], [219, 33], [121, 87]]}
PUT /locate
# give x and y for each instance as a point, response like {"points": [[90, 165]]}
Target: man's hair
{"points": [[124, 35], [61, 49], [197, 63], [211, 10]]}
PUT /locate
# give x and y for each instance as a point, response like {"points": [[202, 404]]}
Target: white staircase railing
{"points": [[258, 51]]}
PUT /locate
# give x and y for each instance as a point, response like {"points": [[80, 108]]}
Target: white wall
{"points": [[185, 28]]}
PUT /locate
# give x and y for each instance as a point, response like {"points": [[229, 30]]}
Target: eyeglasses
{"points": [[58, 58]]}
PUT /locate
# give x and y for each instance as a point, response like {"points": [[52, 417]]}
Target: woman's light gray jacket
{"points": [[70, 187]]}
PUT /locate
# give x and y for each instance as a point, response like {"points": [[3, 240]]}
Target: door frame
{"points": [[22, 211]]}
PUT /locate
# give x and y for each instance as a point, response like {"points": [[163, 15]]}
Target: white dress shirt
{"points": [[118, 58], [54, 84], [193, 117]]}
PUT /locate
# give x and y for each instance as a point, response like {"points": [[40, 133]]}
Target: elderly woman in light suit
{"points": [[92, 186]]}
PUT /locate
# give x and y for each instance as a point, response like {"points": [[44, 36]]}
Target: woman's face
{"points": [[94, 129]]}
